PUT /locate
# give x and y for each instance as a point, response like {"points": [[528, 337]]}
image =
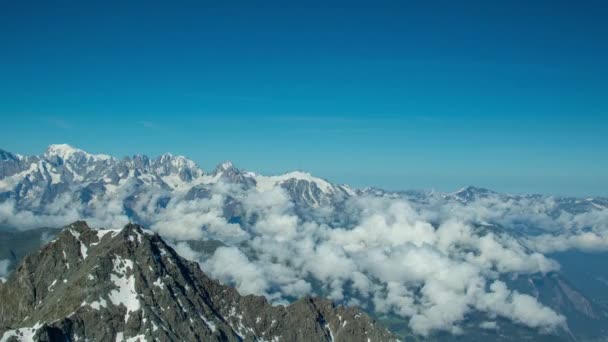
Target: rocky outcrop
{"points": [[128, 284]]}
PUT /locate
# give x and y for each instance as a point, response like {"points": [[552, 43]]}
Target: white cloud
{"points": [[432, 263], [488, 325], [518, 307], [4, 268]]}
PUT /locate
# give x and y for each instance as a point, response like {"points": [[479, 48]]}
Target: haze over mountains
{"points": [[472, 263]]}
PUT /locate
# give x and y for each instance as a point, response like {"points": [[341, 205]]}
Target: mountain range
{"points": [[34, 181], [472, 264]]}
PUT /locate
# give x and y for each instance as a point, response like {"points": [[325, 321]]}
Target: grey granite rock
{"points": [[128, 284]]}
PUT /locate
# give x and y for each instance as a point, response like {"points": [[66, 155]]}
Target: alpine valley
{"points": [[232, 255]]}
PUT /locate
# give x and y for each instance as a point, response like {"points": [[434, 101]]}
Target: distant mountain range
{"points": [[34, 181], [469, 265]]}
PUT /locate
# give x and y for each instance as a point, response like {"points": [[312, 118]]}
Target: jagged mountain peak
{"points": [[472, 188], [119, 284], [8, 156], [176, 160], [470, 193], [224, 167], [65, 169], [67, 152], [35, 182]]}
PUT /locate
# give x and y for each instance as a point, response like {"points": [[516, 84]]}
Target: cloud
{"points": [[4, 269], [58, 215], [433, 275], [230, 265], [59, 123], [586, 231], [432, 262], [196, 219], [518, 307], [488, 325], [186, 251], [149, 124]]}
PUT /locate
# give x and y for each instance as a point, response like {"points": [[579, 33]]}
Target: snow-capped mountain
{"points": [[291, 235], [69, 174], [571, 205], [34, 181]]}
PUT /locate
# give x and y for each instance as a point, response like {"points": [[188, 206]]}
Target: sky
{"points": [[508, 95]]}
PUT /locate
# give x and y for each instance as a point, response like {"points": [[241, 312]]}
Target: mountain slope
{"points": [[107, 285]]}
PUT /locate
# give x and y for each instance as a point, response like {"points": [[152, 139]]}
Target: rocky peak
{"points": [[226, 166], [116, 284], [67, 152], [470, 193], [7, 156], [140, 161], [176, 161], [186, 169], [9, 164], [227, 172]]}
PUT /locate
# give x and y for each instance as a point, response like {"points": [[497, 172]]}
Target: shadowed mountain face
{"points": [[108, 285]]}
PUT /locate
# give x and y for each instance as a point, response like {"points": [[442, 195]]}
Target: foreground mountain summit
{"points": [[128, 284]]}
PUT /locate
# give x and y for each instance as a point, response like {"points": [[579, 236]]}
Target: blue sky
{"points": [[509, 95]]}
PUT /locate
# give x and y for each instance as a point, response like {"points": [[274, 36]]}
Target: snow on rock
{"points": [[83, 248], [331, 335], [9, 183], [21, 334], [138, 338], [158, 283], [265, 183], [125, 293], [65, 152], [209, 324], [101, 303], [103, 232]]}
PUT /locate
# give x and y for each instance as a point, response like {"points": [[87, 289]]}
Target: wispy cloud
{"points": [[59, 123], [228, 98], [321, 119], [149, 124]]}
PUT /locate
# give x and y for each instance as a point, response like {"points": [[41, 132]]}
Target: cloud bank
{"points": [[432, 261]]}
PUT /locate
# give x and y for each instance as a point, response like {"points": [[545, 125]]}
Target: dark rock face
{"points": [[128, 284]]}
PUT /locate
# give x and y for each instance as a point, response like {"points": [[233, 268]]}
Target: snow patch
{"points": [[210, 324], [103, 232], [66, 152], [101, 303], [266, 183], [138, 338], [158, 283], [331, 335], [125, 293], [22, 334], [50, 288]]}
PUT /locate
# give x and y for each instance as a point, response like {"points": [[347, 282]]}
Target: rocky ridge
{"points": [[128, 284]]}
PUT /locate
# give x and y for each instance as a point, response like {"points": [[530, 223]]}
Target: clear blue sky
{"points": [[510, 95]]}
